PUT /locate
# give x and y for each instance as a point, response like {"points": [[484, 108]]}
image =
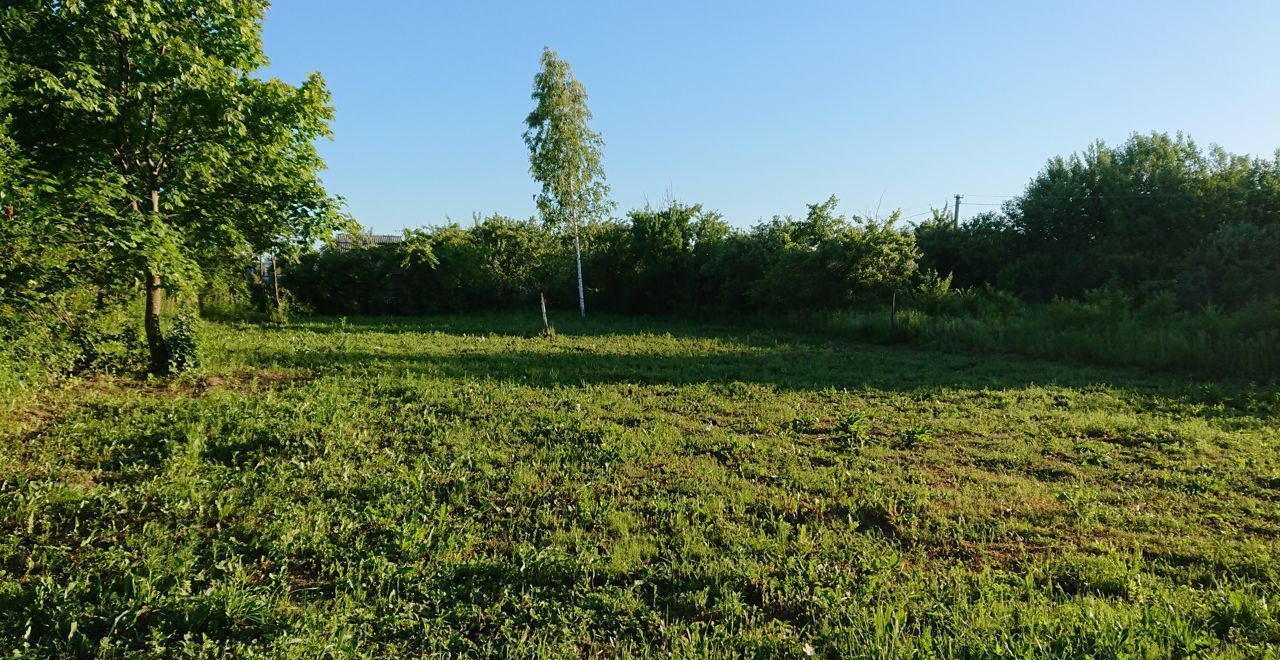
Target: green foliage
{"points": [[873, 259], [636, 487], [678, 258], [498, 262], [916, 437], [932, 292], [184, 345], [973, 253], [1157, 213], [664, 250], [102, 348], [564, 152], [151, 149], [853, 428], [565, 156], [231, 293], [1237, 264]]}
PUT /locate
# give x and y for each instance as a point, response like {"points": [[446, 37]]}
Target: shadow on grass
{"points": [[785, 359], [786, 367]]}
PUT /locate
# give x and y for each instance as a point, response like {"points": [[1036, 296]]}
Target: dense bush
{"points": [[1157, 214], [498, 262], [973, 253], [674, 259]]}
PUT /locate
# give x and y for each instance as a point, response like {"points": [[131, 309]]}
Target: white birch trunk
{"points": [[577, 250]]}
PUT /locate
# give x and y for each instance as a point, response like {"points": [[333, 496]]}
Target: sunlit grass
{"points": [[631, 486]]}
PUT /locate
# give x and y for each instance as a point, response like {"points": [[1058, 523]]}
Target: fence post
{"points": [[893, 312]]}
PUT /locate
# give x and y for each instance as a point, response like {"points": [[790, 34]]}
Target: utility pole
{"points": [[955, 221]]}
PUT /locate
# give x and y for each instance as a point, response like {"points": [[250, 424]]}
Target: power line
{"points": [[1095, 196], [1074, 198]]}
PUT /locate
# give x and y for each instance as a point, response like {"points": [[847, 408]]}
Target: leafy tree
{"points": [[1127, 216], [972, 253], [40, 274], [565, 154], [146, 118], [865, 260], [1238, 263], [793, 275], [1155, 215], [515, 254], [662, 256]]}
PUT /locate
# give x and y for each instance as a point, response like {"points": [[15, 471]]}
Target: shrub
{"points": [[183, 345]]}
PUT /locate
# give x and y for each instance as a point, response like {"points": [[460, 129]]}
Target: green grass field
{"points": [[635, 487]]}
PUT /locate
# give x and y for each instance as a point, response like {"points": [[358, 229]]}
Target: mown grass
{"points": [[635, 487]]}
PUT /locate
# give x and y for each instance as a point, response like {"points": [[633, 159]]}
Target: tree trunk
{"points": [[151, 323], [155, 339], [577, 250], [275, 283]]}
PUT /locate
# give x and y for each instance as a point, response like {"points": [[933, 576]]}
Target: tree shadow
{"points": [[787, 366], [784, 359]]}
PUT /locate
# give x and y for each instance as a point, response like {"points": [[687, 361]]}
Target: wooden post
{"points": [[546, 327], [893, 311]]}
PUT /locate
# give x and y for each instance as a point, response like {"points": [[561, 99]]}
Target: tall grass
{"points": [[1208, 342]]}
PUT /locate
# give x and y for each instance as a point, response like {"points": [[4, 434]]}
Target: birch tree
{"points": [[565, 155]]}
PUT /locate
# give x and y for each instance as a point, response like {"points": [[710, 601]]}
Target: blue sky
{"points": [[756, 109]]}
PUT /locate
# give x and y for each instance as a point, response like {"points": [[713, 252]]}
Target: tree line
{"points": [[142, 155], [674, 258], [1157, 215], [1156, 218]]}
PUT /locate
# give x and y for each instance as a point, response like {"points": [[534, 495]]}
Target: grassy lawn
{"points": [[635, 486]]}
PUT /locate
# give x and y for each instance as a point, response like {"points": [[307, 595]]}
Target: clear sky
{"points": [[757, 108]]}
